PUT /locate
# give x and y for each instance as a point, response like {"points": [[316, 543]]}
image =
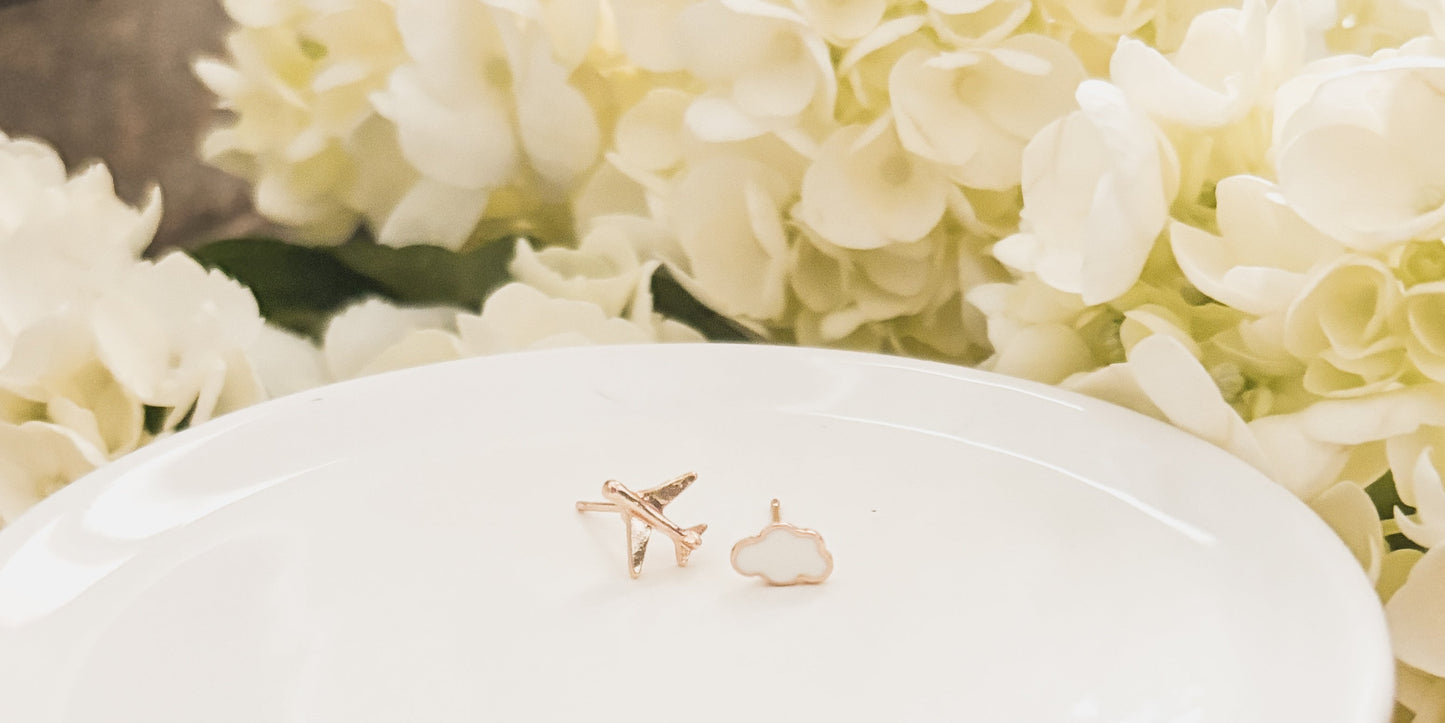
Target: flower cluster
{"points": [[100, 352], [598, 293], [1244, 238], [1226, 214], [422, 117]]}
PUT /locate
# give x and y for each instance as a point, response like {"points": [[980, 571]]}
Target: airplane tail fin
{"points": [[685, 546]]}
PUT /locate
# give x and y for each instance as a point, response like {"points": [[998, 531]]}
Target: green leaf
{"points": [[430, 274], [1399, 541], [155, 418], [670, 299], [297, 287], [1386, 498], [301, 287]]}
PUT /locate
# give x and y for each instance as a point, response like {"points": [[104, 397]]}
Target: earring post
{"points": [[597, 507]]}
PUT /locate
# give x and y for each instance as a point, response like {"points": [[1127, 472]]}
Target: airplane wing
{"points": [[637, 534], [666, 492]]}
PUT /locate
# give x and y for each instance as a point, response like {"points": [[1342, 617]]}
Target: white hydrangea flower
{"points": [[1213, 79], [1414, 612], [1342, 327], [61, 239], [1297, 90], [1363, 158], [482, 100], [866, 191], [36, 459], [1031, 327], [1366, 26], [89, 334], [594, 295], [895, 298], [1424, 328], [1147, 320], [973, 110], [374, 336], [55, 369], [864, 70], [842, 23], [1172, 18], [764, 64], [1348, 510], [1101, 17], [651, 135], [410, 114], [1396, 415], [1427, 527], [1419, 692], [1259, 261], [1394, 570], [728, 214], [518, 317], [606, 267], [305, 133], [1406, 452], [647, 32], [964, 23], [1184, 391], [286, 363], [1097, 186], [1308, 451], [1256, 348], [172, 332]]}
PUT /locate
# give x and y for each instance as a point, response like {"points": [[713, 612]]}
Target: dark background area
{"points": [[111, 80]]}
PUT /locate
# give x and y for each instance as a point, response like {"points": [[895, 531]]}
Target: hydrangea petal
{"points": [[647, 32], [720, 120], [716, 228], [468, 145], [364, 331], [436, 213], [1187, 395], [649, 134], [1350, 513], [1417, 629], [557, 126], [1427, 528]]}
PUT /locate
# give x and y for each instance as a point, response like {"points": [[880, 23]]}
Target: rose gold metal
{"points": [[642, 513], [779, 526], [596, 507]]}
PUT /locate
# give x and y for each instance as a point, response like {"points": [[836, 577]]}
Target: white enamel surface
{"points": [[405, 547], [781, 555]]}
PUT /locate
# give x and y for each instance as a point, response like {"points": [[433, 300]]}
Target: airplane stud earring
{"points": [[783, 554], [642, 511]]}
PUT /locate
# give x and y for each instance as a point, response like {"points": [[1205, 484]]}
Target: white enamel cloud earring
{"points": [[783, 554]]}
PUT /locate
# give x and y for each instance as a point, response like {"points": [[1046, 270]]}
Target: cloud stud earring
{"points": [[642, 512], [783, 554]]}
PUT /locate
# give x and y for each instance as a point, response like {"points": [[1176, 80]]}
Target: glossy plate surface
{"points": [[405, 547]]}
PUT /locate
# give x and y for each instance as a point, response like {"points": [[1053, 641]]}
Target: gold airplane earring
{"points": [[783, 554], [642, 511]]}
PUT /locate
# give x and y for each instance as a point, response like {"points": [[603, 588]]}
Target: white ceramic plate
{"points": [[405, 548]]}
